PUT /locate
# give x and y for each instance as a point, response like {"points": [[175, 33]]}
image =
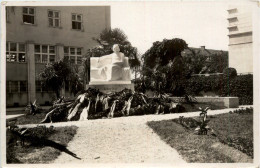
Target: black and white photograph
{"points": [[130, 83]]}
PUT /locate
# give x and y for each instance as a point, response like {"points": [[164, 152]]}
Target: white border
{"points": [[256, 46]]}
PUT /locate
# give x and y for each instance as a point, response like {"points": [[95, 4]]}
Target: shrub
{"points": [[230, 73], [238, 86]]}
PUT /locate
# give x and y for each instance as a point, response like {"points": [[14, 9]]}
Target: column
{"points": [[60, 56], [60, 51], [31, 71]]}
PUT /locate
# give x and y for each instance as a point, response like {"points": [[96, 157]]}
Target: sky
{"points": [[198, 23]]}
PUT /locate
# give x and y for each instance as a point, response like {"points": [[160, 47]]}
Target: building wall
{"points": [[244, 52], [240, 39], [95, 19], [16, 71]]}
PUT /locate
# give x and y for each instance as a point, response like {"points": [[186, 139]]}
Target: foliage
{"points": [[199, 63], [218, 63], [55, 74], [195, 62], [33, 108], [162, 53], [239, 86], [243, 111], [230, 73], [163, 65], [203, 127], [106, 40]]}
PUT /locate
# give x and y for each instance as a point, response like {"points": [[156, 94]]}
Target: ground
{"points": [[231, 141], [124, 140]]}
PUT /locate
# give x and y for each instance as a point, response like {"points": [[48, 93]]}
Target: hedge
{"points": [[239, 86]]}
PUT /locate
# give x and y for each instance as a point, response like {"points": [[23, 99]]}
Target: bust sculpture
{"points": [[112, 67]]}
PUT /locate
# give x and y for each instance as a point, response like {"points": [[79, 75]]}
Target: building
{"points": [[192, 54], [39, 35], [240, 39], [209, 53]]}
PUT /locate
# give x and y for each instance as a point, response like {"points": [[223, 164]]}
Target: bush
{"points": [[238, 86], [230, 73]]}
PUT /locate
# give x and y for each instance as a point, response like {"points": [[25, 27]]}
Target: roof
{"points": [[203, 51]]}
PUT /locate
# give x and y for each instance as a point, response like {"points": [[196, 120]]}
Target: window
{"points": [[77, 22], [16, 86], [28, 15], [44, 53], [23, 86], [15, 52], [73, 55], [40, 87], [54, 18]]}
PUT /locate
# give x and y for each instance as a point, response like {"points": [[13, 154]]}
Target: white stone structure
{"points": [[110, 72], [240, 38]]}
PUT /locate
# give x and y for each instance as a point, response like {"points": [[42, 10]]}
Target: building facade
{"points": [[36, 36], [240, 38]]}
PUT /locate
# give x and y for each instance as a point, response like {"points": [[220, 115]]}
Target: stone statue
{"points": [[112, 67]]}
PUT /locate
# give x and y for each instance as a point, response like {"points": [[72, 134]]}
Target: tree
{"points": [[105, 41], [198, 63], [163, 65], [54, 76], [162, 53], [218, 62], [195, 63]]}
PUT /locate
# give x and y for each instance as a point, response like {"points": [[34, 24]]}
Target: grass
{"points": [[235, 130], [39, 150], [31, 119]]}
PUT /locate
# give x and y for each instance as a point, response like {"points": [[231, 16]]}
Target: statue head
{"points": [[116, 48]]}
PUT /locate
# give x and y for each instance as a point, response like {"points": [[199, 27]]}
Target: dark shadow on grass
{"points": [[35, 141]]}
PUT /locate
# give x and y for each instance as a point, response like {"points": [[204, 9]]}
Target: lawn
{"points": [[233, 141], [31, 119], [43, 148]]}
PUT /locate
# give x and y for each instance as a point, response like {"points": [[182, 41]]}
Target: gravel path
{"points": [[118, 142]]}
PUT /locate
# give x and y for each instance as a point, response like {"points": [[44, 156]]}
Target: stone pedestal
{"points": [[111, 86]]}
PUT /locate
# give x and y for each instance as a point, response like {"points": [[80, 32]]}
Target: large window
{"points": [[77, 22], [54, 18], [40, 87], [16, 86], [28, 15], [15, 52], [44, 53], [73, 55]]}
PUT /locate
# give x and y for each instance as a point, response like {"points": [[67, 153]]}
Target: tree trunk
{"points": [[58, 93]]}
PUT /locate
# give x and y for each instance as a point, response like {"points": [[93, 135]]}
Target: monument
{"points": [[110, 73]]}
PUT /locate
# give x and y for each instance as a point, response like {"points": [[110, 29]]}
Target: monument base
{"points": [[111, 86]]}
